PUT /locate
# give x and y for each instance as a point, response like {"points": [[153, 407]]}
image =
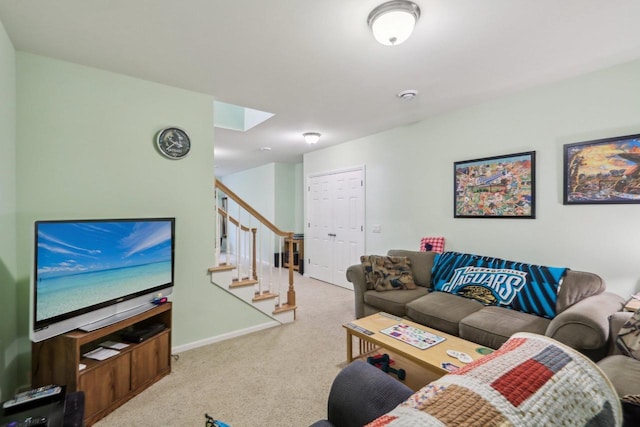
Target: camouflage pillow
{"points": [[386, 273], [365, 260]]}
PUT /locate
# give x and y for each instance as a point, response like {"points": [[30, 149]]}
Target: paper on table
{"points": [[114, 345], [101, 353]]}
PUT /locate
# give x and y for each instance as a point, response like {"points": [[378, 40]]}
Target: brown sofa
{"points": [[583, 308]]}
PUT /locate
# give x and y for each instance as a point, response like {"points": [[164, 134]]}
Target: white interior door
{"points": [[336, 225], [318, 242]]}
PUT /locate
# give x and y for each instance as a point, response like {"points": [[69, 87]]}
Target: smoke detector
{"points": [[407, 95]]}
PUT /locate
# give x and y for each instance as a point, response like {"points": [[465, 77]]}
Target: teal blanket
{"points": [[493, 281]]}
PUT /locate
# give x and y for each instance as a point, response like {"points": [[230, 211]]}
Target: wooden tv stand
{"points": [[107, 383]]}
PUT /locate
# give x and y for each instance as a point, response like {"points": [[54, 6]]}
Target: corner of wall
{"points": [[8, 265]]}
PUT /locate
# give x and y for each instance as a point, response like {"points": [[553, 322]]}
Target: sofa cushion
{"points": [[576, 286], [421, 264], [494, 281], [493, 326], [393, 302], [441, 311], [623, 372]]}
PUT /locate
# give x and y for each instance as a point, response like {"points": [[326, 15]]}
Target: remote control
{"points": [[31, 395], [390, 316], [29, 422], [463, 357], [359, 328]]}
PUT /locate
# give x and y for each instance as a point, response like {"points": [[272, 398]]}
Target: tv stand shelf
{"points": [[107, 383]]}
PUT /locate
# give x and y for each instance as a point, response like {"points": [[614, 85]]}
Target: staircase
{"points": [[244, 264]]}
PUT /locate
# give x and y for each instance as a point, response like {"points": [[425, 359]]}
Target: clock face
{"points": [[174, 143]]}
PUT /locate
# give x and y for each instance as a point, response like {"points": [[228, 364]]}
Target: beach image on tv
{"points": [[81, 264]]}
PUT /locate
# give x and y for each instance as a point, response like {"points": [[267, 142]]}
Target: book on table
{"points": [[411, 335]]}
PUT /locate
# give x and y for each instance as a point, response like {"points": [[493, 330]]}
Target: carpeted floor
{"points": [[276, 377]]}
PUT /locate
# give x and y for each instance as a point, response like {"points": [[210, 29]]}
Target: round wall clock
{"points": [[173, 143]]}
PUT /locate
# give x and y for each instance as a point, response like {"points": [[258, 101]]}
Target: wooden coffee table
{"points": [[421, 365]]}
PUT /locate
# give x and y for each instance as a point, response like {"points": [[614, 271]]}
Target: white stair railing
{"points": [[248, 248]]}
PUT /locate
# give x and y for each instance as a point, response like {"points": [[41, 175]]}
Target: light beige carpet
{"points": [[277, 377]]}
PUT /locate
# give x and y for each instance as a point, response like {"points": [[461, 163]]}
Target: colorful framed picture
{"points": [[495, 187], [602, 171]]}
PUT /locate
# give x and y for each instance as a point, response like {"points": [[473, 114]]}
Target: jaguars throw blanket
{"points": [[532, 380], [493, 281]]}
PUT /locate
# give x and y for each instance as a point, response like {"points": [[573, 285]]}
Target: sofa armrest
{"points": [[355, 275], [585, 325], [616, 321], [361, 393]]}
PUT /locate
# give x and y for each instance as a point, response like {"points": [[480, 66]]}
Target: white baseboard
{"points": [[223, 337]]}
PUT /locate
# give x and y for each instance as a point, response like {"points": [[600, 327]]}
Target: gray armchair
{"points": [[360, 394]]}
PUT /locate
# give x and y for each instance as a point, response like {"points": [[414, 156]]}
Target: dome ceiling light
{"points": [[407, 95], [311, 137], [392, 22]]}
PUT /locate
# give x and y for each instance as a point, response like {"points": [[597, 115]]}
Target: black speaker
{"points": [[276, 259], [295, 258]]}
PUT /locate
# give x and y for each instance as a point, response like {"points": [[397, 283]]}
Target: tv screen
{"points": [[89, 270]]}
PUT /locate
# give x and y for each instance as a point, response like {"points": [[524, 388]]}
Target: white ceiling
{"points": [[315, 64]]}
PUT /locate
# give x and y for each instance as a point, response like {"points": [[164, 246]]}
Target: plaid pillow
{"points": [[628, 339], [433, 244]]}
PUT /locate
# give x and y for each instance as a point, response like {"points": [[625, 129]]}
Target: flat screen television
{"points": [[94, 272]]}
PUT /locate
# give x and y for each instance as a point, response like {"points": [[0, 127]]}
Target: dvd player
{"points": [[139, 334]]}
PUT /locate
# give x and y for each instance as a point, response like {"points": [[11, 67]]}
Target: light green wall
{"points": [[298, 201], [284, 195], [256, 187], [274, 190], [409, 177], [8, 266], [86, 150]]}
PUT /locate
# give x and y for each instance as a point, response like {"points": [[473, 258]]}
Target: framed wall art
{"points": [[495, 187], [602, 171]]}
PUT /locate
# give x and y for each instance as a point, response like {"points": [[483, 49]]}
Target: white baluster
{"points": [[260, 259], [238, 249], [271, 269], [280, 242]]}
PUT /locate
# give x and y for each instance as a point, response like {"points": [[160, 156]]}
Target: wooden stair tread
{"points": [[242, 283], [284, 308], [264, 296], [222, 267]]}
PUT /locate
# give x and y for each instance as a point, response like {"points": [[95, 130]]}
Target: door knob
{"points": [[331, 235]]}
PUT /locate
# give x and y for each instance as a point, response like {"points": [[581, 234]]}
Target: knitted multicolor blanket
{"points": [[532, 380]]}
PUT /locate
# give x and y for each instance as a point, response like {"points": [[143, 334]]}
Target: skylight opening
{"points": [[236, 117]]}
